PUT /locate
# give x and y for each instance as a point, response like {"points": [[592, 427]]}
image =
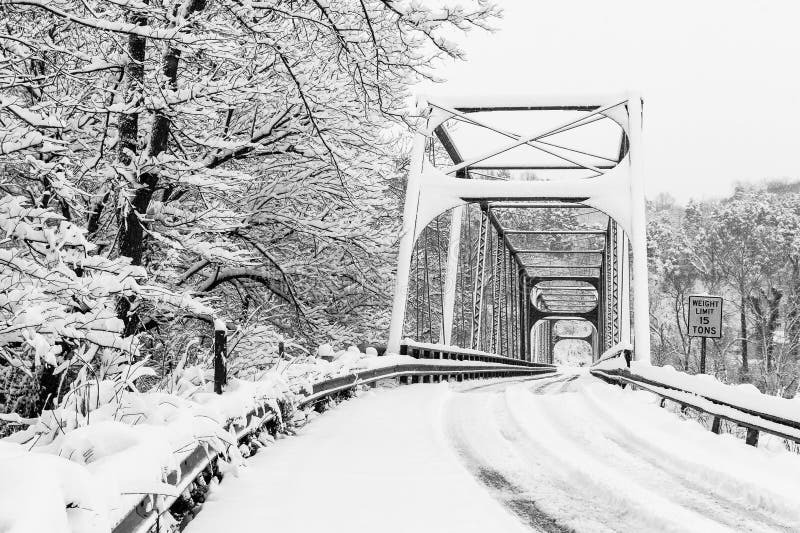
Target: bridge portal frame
{"points": [[617, 191]]}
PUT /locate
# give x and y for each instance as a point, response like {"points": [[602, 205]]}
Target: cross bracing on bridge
{"points": [[507, 233]]}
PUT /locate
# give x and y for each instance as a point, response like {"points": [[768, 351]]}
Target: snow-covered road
{"points": [[559, 453]]}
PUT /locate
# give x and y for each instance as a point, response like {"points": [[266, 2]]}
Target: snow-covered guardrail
{"points": [[196, 470], [199, 468], [743, 405], [421, 350], [621, 350]]}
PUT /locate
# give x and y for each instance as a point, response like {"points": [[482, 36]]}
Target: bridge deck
{"points": [[545, 454]]}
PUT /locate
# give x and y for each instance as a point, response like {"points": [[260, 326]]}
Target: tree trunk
{"points": [[760, 324], [743, 332], [132, 236], [792, 326], [130, 232], [773, 306]]}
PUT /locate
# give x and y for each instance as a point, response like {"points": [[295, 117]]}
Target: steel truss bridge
{"points": [[523, 225], [511, 242]]}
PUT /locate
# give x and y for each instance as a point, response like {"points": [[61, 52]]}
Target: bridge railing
{"points": [[420, 350], [200, 465], [754, 416]]}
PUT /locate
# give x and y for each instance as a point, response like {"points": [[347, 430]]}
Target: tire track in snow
{"points": [[577, 500], [627, 460], [510, 494], [516, 472], [567, 385], [701, 495], [559, 465], [462, 413], [501, 385], [552, 425]]}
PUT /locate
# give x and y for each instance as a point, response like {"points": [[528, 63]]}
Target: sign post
{"points": [[705, 320]]}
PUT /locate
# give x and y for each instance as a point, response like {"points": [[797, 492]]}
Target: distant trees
{"points": [[744, 247]]}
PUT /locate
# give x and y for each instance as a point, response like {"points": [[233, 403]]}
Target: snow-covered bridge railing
{"points": [[742, 405], [157, 513], [420, 350]]}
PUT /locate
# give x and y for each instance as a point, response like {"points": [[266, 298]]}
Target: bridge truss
{"points": [[509, 235]]}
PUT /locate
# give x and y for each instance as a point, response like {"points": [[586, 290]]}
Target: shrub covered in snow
{"points": [[58, 307]]}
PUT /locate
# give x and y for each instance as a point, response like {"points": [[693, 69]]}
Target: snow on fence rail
{"points": [[743, 405], [78, 494], [422, 350]]}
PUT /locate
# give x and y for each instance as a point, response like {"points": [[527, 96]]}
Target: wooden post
{"points": [[220, 356], [48, 388], [715, 425], [702, 355], [752, 437]]}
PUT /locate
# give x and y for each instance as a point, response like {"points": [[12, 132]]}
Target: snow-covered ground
{"points": [[381, 462], [544, 454]]}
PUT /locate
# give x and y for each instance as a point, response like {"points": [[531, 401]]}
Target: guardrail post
{"points": [[752, 437], [715, 425], [220, 355]]}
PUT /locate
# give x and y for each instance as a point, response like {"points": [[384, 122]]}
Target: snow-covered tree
{"points": [[745, 248], [58, 302], [239, 149]]}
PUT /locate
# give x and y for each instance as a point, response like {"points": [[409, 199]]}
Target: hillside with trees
{"points": [[745, 248]]}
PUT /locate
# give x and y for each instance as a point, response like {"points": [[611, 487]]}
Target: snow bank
{"points": [[59, 475], [744, 396]]}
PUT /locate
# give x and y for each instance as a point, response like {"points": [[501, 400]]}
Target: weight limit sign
{"points": [[705, 316]]}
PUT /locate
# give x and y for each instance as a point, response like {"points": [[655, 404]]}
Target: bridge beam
{"points": [[638, 237], [406, 245], [453, 251]]}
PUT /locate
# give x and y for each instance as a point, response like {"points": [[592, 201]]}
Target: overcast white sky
{"points": [[720, 78]]}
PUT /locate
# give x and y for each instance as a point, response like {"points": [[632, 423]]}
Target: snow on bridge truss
{"points": [[544, 202]]}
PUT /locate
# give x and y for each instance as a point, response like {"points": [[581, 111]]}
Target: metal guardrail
{"points": [[453, 354], [720, 410], [147, 514], [197, 468], [618, 350], [414, 373]]}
